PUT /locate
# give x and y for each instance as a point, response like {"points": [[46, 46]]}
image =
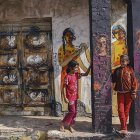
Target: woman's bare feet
{"points": [[124, 132], [62, 129], [71, 129]]}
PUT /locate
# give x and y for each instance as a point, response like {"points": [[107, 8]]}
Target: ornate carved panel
{"points": [[25, 63], [8, 77], [35, 96], [9, 96]]}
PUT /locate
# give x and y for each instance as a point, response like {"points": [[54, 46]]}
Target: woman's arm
{"points": [[63, 94], [77, 52], [134, 85], [87, 72], [63, 91], [71, 57]]}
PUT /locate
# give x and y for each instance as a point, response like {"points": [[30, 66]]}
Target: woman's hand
{"points": [[115, 92], [133, 96], [66, 100]]}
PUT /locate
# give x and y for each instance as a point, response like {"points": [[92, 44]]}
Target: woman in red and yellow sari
{"points": [[68, 52]]}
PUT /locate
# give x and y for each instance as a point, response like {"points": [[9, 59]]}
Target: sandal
{"points": [[119, 134]]}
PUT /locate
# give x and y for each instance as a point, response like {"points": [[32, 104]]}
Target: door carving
{"points": [[26, 75]]}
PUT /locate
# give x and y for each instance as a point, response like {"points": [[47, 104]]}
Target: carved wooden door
{"points": [[26, 63]]}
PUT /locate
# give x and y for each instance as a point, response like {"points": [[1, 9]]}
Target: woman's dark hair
{"points": [[98, 43], [72, 64], [72, 33], [119, 28], [68, 70]]}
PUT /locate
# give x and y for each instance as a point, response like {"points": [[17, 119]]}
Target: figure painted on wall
{"points": [[101, 68], [68, 51], [137, 54], [137, 44], [119, 46], [101, 45]]}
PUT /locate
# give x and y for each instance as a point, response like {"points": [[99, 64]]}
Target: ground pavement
{"points": [[47, 128]]}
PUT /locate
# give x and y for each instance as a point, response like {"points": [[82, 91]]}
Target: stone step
{"points": [[57, 135], [7, 132], [23, 134]]}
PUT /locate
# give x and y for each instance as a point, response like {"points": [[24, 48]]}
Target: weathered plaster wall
{"points": [[64, 14], [118, 9], [77, 17]]}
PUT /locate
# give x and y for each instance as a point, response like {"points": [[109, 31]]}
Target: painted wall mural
{"points": [[119, 46], [137, 52], [101, 60], [67, 52], [137, 57], [79, 35], [137, 68], [118, 42]]}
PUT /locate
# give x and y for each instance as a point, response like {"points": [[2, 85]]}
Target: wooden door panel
{"points": [[8, 77], [36, 97], [9, 96], [8, 60], [25, 62], [36, 78]]}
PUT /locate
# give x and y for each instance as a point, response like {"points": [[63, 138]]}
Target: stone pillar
{"points": [[136, 45], [131, 57], [100, 24]]}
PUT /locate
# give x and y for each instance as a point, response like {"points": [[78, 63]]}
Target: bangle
{"points": [[133, 93]]}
